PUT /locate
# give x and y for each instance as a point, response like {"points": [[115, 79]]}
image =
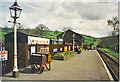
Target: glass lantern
{"points": [[15, 11]]}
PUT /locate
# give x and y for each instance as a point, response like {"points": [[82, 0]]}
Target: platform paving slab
{"points": [[85, 66]]}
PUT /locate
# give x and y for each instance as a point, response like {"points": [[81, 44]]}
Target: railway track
{"points": [[112, 64]]}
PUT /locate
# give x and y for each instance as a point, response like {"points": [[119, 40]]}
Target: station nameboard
{"points": [[38, 40], [3, 55]]}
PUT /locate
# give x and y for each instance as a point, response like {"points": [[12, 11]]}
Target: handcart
{"points": [[38, 60]]}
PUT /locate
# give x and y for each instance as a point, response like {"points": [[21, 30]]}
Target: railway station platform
{"points": [[86, 66]]}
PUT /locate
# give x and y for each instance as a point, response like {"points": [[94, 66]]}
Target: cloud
{"points": [[83, 17], [86, 18], [63, 0], [92, 10]]}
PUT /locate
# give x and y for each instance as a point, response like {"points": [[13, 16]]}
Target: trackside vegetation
{"points": [[111, 52]]}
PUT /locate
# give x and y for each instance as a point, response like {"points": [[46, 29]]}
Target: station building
{"points": [[67, 37], [26, 45]]}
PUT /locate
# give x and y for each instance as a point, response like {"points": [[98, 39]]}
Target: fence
{"points": [[22, 49], [23, 53], [54, 48]]}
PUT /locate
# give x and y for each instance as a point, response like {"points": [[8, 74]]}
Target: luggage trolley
{"points": [[38, 60]]}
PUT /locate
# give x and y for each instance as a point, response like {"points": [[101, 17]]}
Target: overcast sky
{"points": [[82, 16]]}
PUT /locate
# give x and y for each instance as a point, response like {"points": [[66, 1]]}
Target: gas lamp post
{"points": [[15, 12]]}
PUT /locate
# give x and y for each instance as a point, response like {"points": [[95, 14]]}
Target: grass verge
{"points": [[110, 52]]}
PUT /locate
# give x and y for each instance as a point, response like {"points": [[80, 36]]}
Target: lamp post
{"points": [[82, 43], [15, 12], [73, 41], [16, 23]]}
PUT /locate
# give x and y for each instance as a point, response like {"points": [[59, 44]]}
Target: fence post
{"points": [[36, 48]]}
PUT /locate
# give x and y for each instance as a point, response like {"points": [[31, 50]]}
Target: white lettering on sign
{"points": [[38, 40], [3, 55]]}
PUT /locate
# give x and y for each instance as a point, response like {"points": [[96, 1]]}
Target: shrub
{"points": [[64, 53]]}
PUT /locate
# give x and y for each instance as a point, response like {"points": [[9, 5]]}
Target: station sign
{"points": [[3, 55], [38, 40]]}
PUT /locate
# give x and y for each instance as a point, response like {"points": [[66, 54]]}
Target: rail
{"points": [[112, 64]]}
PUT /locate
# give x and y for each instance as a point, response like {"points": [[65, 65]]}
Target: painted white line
{"points": [[108, 72]]}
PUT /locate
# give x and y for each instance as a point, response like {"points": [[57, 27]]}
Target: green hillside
{"points": [[5, 31], [89, 39], [50, 34]]}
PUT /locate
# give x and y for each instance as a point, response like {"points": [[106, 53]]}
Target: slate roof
{"points": [[68, 36]]}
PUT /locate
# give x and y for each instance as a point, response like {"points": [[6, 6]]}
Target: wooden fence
{"points": [[60, 48], [22, 51], [24, 54], [51, 47]]}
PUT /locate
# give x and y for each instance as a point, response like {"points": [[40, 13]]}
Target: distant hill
{"points": [[90, 39], [110, 42], [50, 34], [5, 31]]}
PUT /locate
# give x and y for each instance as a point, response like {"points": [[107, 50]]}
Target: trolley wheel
{"points": [[32, 69], [41, 70]]}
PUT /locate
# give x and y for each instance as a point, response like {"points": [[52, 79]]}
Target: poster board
{"points": [[55, 50], [3, 55], [69, 48], [65, 48], [32, 49], [61, 49]]}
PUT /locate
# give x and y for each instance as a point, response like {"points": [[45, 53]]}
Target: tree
{"points": [[67, 28], [28, 30], [94, 40], [56, 33], [114, 23], [40, 29], [20, 27]]}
